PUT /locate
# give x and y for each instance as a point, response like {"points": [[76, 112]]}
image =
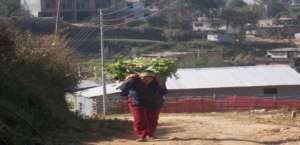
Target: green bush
{"points": [[148, 33], [124, 47], [158, 21], [34, 75], [181, 35]]}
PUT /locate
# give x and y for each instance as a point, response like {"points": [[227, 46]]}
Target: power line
{"points": [[84, 34], [113, 7], [117, 11], [120, 18], [127, 8], [126, 22]]}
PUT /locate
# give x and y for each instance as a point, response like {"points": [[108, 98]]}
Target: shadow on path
{"points": [[227, 139]]}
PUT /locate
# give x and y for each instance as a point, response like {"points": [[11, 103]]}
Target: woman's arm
{"points": [[125, 87]]}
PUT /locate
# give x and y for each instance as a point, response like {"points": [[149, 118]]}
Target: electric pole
{"points": [[102, 64], [58, 2]]}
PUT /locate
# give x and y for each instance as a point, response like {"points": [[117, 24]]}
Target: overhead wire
{"points": [[113, 7], [116, 11], [131, 19], [84, 34], [126, 22]]}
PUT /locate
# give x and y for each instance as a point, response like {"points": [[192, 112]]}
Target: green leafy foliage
{"points": [[34, 74], [122, 67], [10, 8]]}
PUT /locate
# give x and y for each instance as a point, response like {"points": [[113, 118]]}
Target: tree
{"points": [[273, 8], [235, 4], [239, 18], [10, 8], [206, 7], [176, 13], [41, 73], [180, 13], [293, 12]]}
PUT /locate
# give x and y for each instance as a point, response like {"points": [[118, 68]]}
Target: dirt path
{"points": [[220, 129]]}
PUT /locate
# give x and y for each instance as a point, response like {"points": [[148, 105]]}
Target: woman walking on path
{"points": [[145, 99]]}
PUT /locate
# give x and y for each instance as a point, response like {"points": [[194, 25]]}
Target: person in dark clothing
{"points": [[149, 95]]}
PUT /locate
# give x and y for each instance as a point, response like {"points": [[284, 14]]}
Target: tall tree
{"points": [[10, 7], [234, 3], [206, 7], [239, 18], [273, 8]]}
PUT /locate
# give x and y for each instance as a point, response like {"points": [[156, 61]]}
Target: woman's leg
{"points": [[152, 121], [139, 120]]}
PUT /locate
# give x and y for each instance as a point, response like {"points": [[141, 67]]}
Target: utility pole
{"points": [[102, 64], [58, 3]]}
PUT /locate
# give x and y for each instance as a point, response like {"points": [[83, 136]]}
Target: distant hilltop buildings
{"points": [[285, 2], [290, 2], [83, 10]]}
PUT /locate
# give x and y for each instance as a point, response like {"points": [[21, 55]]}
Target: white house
{"points": [[221, 37], [209, 24], [271, 80], [283, 53]]}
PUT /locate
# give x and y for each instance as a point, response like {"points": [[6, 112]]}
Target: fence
{"points": [[191, 104]]}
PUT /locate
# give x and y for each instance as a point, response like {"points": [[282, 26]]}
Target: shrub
{"points": [[181, 35], [158, 21], [33, 78], [136, 33]]}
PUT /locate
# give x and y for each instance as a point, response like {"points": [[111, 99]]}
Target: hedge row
{"points": [[125, 47]]}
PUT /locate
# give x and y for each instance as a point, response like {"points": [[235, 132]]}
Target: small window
{"points": [[80, 107], [94, 106], [270, 91], [130, 5], [48, 5]]}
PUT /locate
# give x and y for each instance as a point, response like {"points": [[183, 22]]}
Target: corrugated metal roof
{"points": [[83, 84], [223, 77], [285, 49], [98, 91]]}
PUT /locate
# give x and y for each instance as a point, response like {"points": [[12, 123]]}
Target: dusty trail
{"points": [[220, 129]]}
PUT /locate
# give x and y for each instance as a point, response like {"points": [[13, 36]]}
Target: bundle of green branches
{"points": [[118, 70]]}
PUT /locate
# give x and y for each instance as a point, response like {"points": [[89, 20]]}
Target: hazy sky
{"points": [[33, 5]]}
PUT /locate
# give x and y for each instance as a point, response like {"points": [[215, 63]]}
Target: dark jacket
{"points": [[150, 96]]}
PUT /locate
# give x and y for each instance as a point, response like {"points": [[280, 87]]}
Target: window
{"points": [[67, 4], [80, 107], [130, 5], [49, 5], [82, 4], [270, 91], [94, 106]]}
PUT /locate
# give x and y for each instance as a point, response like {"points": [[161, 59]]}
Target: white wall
{"points": [[34, 6], [87, 106], [283, 91]]}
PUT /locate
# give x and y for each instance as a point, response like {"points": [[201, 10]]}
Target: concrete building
{"points": [[208, 24], [84, 10], [273, 80], [71, 10], [228, 38], [290, 2], [288, 56], [283, 27], [247, 80]]}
